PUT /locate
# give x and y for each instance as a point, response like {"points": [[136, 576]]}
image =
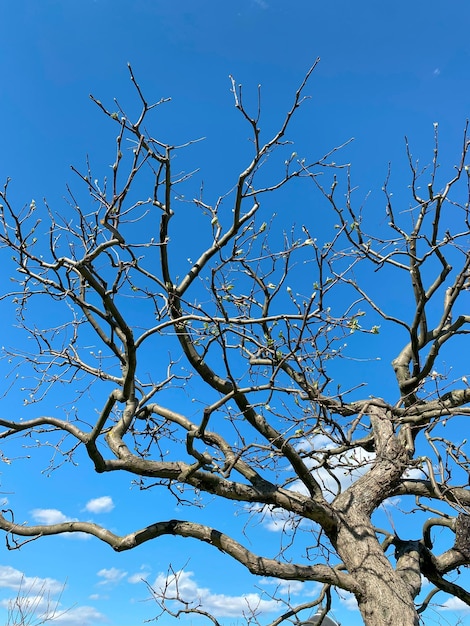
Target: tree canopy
{"points": [[247, 372]]}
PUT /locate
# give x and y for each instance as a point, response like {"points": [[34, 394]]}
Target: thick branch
{"points": [[257, 565]]}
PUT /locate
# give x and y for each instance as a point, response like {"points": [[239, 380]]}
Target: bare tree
{"points": [[34, 606], [269, 329]]}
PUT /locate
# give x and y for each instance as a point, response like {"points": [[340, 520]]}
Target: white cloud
{"points": [[54, 516], [41, 609], [11, 578], [50, 516], [290, 587], [349, 467], [78, 616], [348, 600], [139, 576], [455, 604], [343, 471], [38, 600], [391, 503], [111, 576], [220, 605], [277, 520], [29, 604], [414, 473], [100, 505]]}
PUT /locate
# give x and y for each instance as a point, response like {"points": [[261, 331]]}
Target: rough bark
{"points": [[385, 592]]}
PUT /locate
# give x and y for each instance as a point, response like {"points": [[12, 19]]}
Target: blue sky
{"points": [[387, 70]]}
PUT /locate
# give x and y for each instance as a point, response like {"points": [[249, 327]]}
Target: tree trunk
{"points": [[387, 597], [387, 594]]}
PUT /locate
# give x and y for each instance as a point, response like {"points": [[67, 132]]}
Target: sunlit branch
{"points": [[258, 565]]}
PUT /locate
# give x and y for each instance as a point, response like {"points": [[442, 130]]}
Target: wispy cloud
{"points": [[11, 578], [454, 604], [391, 503], [98, 596], [342, 473], [104, 504], [220, 605], [50, 516], [276, 520], [37, 599], [54, 516], [344, 470], [348, 601], [38, 608], [290, 587], [79, 616], [139, 576], [414, 473], [111, 576]]}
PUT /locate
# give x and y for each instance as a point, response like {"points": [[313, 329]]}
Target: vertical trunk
{"points": [[387, 594], [386, 597]]}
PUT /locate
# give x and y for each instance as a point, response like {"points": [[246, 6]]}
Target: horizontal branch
{"points": [[257, 565], [425, 489], [451, 403], [432, 570], [29, 425]]}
